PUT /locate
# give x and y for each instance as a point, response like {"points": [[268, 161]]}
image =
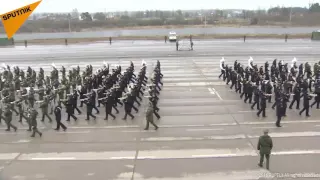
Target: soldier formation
{"points": [[280, 81], [25, 90]]}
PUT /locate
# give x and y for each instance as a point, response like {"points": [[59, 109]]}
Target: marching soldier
{"points": [[128, 105], [34, 123], [8, 118], [154, 100], [57, 113], [70, 108], [306, 103], [263, 105], [149, 117], [90, 105], [44, 107], [296, 96]]}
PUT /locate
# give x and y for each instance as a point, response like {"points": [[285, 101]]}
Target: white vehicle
{"points": [[172, 36]]}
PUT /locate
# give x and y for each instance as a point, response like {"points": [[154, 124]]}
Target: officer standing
{"points": [[57, 113], [149, 117], [265, 146]]}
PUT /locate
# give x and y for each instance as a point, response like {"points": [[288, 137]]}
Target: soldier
{"points": [[21, 111], [279, 110], [57, 113], [128, 105], [154, 100], [8, 118], [263, 105], [44, 107], [257, 94], [296, 96], [70, 108], [316, 101], [90, 105], [149, 117], [75, 101], [306, 103], [33, 122], [265, 146], [109, 102]]}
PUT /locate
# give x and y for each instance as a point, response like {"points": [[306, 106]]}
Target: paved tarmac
{"points": [[185, 31], [206, 131]]}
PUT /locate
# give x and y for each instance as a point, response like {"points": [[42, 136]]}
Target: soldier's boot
{"points": [[88, 116], [113, 116], [125, 116], [147, 126], [33, 133]]}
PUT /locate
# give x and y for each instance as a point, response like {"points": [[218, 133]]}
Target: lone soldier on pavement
{"points": [[265, 146], [149, 117]]}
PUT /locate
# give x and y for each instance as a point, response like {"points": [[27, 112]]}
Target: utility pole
{"points": [[290, 14], [69, 20]]}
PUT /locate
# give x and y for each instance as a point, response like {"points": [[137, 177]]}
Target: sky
{"points": [[136, 5]]}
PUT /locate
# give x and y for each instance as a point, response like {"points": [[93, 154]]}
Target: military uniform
{"points": [[8, 118], [34, 123], [265, 146], [149, 117], [57, 113]]}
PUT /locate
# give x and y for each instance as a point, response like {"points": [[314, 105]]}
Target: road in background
{"points": [[206, 131], [165, 32]]}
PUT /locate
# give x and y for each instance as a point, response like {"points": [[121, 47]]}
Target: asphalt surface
{"points": [[165, 31], [206, 131]]}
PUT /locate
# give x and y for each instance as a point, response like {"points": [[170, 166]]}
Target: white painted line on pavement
{"points": [[106, 155], [294, 152], [53, 159], [254, 174], [268, 127], [246, 111], [8, 156], [121, 158], [226, 137], [193, 130], [154, 154], [195, 113], [196, 153], [103, 127], [211, 91], [73, 132], [291, 134], [216, 92], [282, 122]]}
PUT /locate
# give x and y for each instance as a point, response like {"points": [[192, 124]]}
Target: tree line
{"points": [[282, 16]]}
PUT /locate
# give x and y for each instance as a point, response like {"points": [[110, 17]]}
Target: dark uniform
{"points": [[306, 103], [57, 113]]}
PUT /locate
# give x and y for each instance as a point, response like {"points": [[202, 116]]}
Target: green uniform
{"points": [[8, 118], [265, 146], [149, 118], [33, 122], [44, 107]]}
